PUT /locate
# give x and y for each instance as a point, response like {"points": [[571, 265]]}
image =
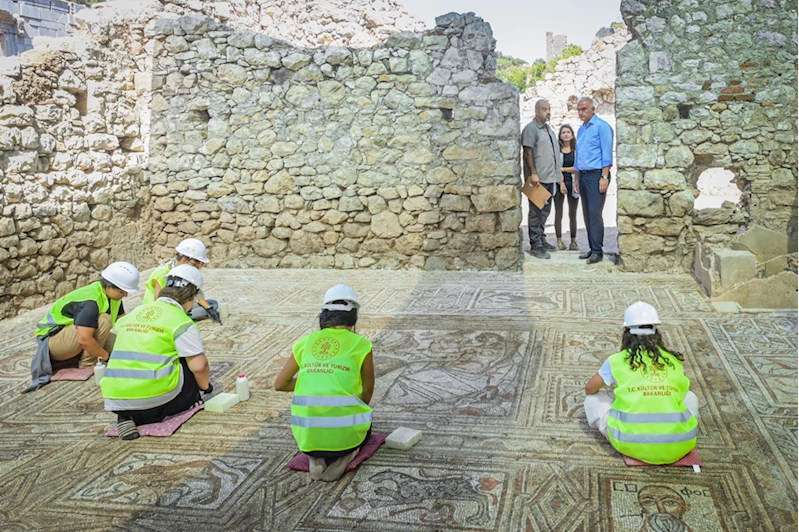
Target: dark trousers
{"points": [[593, 203], [537, 219], [188, 397], [331, 455], [558, 199]]}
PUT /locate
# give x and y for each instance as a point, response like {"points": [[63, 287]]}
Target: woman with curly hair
{"points": [[332, 375], [653, 418]]}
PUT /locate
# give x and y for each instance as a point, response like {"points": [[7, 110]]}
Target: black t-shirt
{"points": [[86, 313], [568, 160]]}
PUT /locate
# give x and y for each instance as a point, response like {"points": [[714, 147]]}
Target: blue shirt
{"points": [[594, 145]]}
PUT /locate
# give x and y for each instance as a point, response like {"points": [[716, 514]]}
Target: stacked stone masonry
{"points": [[357, 23], [73, 192], [704, 85], [400, 155], [592, 73], [74, 142]]}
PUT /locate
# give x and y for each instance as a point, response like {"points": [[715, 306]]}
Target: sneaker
{"points": [[540, 253], [548, 246], [573, 246], [127, 430], [561, 245]]}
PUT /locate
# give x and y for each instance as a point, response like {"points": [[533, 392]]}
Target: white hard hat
{"points": [[194, 249], [340, 292], [188, 274], [123, 275], [638, 314]]}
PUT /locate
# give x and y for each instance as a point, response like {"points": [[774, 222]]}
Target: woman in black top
{"points": [[567, 144]]}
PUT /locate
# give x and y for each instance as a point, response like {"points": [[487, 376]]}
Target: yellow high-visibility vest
{"points": [[90, 292], [159, 274], [327, 413], [648, 420], [144, 366]]}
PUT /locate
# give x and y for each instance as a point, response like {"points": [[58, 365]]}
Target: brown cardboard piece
{"points": [[537, 194]]}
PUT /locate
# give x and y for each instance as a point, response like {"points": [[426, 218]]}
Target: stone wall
{"points": [[593, 73], [402, 155], [555, 45], [23, 20], [73, 194], [704, 85], [357, 23]]}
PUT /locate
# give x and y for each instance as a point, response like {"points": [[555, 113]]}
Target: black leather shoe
{"points": [[585, 255], [593, 259], [549, 247]]}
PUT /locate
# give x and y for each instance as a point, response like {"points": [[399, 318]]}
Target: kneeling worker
{"points": [[192, 252], [79, 324], [158, 366], [332, 376]]}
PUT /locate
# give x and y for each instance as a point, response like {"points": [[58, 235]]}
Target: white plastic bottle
{"points": [[99, 371], [223, 310], [243, 387]]}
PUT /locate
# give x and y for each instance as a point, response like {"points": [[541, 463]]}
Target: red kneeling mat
{"points": [[72, 374], [163, 429], [300, 462]]}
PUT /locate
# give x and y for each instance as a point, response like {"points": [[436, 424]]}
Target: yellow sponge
{"points": [[222, 402]]}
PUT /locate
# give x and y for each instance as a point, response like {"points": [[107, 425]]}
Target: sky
{"points": [[520, 27]]}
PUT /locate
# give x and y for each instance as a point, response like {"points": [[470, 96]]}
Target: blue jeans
{"points": [[593, 203]]}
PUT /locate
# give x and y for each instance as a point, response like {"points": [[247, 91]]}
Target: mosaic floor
{"points": [[489, 366]]}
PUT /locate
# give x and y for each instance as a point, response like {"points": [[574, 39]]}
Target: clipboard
{"points": [[536, 193]]}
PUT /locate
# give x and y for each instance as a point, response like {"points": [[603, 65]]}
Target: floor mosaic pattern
{"points": [[490, 366]]}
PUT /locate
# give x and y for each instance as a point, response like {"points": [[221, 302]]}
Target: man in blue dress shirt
{"points": [[593, 159]]}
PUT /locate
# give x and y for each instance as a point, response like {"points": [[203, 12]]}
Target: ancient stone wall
{"points": [[593, 73], [704, 85], [23, 20], [402, 155], [73, 194], [357, 23]]}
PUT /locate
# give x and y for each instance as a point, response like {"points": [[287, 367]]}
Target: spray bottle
{"points": [[99, 371], [243, 387]]}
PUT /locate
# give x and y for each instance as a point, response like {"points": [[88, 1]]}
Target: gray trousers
{"points": [[537, 219], [198, 313]]}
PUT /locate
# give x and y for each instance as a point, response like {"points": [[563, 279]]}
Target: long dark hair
{"points": [[648, 345], [572, 142], [334, 318]]}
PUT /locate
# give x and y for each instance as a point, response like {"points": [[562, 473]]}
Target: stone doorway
{"points": [[562, 89]]}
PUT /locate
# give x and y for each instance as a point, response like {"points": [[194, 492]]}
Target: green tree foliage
{"points": [[88, 2], [523, 75]]}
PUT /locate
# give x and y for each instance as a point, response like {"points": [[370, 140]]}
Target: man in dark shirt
{"points": [[90, 327], [80, 322]]}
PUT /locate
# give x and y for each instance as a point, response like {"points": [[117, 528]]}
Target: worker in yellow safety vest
{"points": [[158, 366], [192, 252], [76, 331], [653, 418], [330, 413]]}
